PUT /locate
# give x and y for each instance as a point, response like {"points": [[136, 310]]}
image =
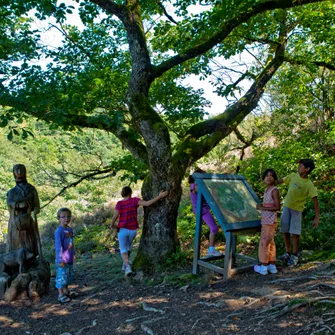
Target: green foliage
{"points": [[122, 71], [56, 159], [91, 239], [186, 221], [179, 258], [322, 238]]}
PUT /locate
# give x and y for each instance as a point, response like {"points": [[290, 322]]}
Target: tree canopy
{"points": [[123, 71]]}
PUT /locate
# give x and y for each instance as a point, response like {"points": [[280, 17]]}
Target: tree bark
{"points": [[159, 237]]}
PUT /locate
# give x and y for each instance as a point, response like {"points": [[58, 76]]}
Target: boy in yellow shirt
{"points": [[300, 188]]}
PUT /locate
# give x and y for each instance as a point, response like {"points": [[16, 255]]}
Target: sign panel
{"points": [[231, 199], [233, 202]]}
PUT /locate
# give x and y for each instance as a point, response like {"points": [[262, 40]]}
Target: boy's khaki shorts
{"points": [[290, 221]]}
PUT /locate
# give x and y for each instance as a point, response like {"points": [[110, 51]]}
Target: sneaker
{"points": [[124, 265], [293, 260], [261, 269], [128, 271], [272, 268], [213, 252], [285, 257]]}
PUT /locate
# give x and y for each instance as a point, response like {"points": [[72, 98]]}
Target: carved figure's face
{"points": [[19, 177]]}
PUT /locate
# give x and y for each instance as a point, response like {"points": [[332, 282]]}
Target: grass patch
{"points": [[180, 280]]}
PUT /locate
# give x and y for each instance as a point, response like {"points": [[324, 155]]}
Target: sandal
{"points": [[72, 294], [63, 299]]}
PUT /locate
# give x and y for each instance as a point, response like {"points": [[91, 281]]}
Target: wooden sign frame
{"points": [[241, 219]]}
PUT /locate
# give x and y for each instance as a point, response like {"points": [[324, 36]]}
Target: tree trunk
{"points": [[159, 237]]}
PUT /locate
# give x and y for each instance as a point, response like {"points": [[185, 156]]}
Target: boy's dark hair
{"points": [[191, 178], [126, 192], [308, 163], [272, 171], [62, 210]]}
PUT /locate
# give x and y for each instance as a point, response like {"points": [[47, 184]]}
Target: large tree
{"points": [[123, 72]]}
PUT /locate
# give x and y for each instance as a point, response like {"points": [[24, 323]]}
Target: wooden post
{"points": [[39, 245], [228, 255], [233, 248]]}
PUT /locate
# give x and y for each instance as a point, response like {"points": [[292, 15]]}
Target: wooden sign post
{"points": [[233, 203]]}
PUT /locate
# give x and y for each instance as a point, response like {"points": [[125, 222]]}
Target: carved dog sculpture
{"points": [[15, 258]]}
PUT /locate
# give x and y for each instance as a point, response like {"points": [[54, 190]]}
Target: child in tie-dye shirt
{"points": [[269, 208]]}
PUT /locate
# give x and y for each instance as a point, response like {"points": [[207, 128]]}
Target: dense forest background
{"points": [[63, 167], [111, 101]]}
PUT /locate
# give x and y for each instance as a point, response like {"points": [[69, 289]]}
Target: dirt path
{"points": [[294, 301]]}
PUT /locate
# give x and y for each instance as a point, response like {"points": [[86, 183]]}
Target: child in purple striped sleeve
{"points": [[206, 214], [65, 256]]}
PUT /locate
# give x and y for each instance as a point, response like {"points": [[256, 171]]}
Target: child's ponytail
{"points": [[191, 179]]}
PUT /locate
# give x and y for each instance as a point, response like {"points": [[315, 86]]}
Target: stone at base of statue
{"points": [[32, 284], [40, 279], [4, 283], [18, 287]]}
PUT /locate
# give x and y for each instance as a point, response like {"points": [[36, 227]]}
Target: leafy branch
{"points": [[159, 3], [316, 63], [223, 124], [225, 30]]}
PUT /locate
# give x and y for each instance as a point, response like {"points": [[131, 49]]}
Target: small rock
{"points": [[139, 276], [184, 288]]}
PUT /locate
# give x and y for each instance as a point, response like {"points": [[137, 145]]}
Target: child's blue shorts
{"points": [[64, 276]]}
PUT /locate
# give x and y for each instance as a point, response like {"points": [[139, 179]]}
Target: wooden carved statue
{"points": [[23, 202], [22, 274]]}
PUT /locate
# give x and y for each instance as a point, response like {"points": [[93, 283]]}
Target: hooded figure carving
{"points": [[22, 200]]}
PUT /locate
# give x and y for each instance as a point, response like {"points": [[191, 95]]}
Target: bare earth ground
{"points": [[294, 301]]}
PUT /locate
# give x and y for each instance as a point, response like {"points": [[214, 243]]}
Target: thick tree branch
{"points": [[244, 105], [214, 130], [316, 63], [130, 15], [226, 29], [111, 7]]}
